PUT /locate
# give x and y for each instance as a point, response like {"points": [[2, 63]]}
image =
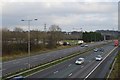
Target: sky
{"points": [[86, 15]]}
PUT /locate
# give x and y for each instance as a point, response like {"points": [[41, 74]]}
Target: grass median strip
{"points": [[26, 72]]}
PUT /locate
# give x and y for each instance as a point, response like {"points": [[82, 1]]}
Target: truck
{"points": [[116, 42]]}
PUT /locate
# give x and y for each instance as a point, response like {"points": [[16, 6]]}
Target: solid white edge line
{"points": [[99, 64], [70, 74], [111, 68]]}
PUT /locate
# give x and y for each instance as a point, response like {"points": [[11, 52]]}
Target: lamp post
{"points": [[81, 33], [29, 39]]}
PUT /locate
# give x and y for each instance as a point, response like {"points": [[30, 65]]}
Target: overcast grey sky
{"points": [[89, 16]]}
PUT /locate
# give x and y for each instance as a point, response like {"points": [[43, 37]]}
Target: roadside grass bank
{"points": [[115, 73], [22, 54]]}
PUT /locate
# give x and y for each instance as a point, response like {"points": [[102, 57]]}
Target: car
{"points": [[82, 45], [18, 78], [86, 45], [96, 49], [101, 49], [98, 58], [79, 61], [65, 43]]}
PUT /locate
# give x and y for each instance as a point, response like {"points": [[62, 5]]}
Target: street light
{"points": [[29, 38], [81, 33]]}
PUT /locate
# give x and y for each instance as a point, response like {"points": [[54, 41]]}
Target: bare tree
{"points": [[54, 37], [55, 28], [17, 29]]}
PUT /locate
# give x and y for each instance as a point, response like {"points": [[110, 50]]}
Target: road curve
{"points": [[69, 69]]}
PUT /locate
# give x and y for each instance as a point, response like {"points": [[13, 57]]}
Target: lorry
{"points": [[116, 42]]}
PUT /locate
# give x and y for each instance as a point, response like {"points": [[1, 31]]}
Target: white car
{"points": [[18, 78], [96, 49], [98, 58], [79, 61], [86, 45]]}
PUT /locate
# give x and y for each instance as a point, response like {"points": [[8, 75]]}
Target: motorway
{"points": [[18, 64], [69, 69]]}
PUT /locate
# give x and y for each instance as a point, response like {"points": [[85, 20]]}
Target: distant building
{"points": [[109, 34]]}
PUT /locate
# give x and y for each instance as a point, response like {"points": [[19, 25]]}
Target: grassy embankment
{"points": [[44, 50], [116, 69]]}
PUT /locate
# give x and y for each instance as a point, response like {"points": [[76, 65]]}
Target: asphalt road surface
{"points": [[18, 64], [69, 69]]}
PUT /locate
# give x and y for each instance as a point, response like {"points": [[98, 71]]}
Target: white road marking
{"points": [[16, 62], [82, 66], [43, 58], [70, 74], [35, 58], [26, 63], [48, 55], [99, 64], [69, 65], [55, 72], [60, 57], [90, 61]]}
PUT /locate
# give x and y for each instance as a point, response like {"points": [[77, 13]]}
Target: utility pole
{"points": [[95, 36], [45, 31], [113, 34], [81, 36]]}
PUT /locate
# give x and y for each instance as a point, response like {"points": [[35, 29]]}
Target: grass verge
{"points": [[22, 55], [116, 69]]}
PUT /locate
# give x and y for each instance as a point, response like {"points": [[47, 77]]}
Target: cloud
{"points": [[60, 0], [65, 14]]}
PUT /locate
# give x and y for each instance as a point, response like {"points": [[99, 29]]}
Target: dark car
{"points": [[82, 45], [65, 43], [101, 49]]}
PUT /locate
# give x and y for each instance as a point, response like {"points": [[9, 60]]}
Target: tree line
{"points": [[16, 41], [92, 36]]}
